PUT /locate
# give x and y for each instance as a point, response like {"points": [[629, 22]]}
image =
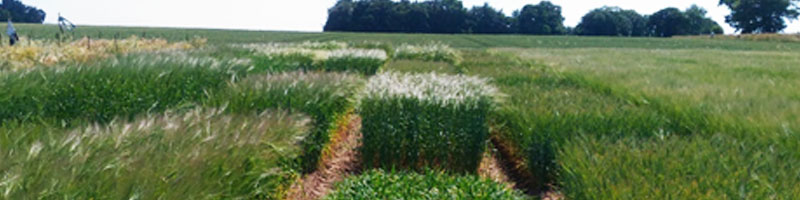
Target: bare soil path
{"points": [[340, 161], [501, 165]]}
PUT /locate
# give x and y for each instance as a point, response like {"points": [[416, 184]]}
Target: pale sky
{"points": [[302, 15]]}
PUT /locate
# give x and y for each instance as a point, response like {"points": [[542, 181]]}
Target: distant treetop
{"points": [[761, 16], [19, 12]]}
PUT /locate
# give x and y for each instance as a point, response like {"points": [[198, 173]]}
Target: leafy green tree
{"points": [[446, 16], [700, 24], [485, 19], [638, 23], [340, 16], [19, 12], [409, 17], [542, 19], [372, 16], [760, 16], [668, 22], [610, 21]]}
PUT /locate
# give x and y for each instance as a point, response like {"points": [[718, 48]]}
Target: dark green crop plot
{"points": [[377, 184], [425, 121], [124, 87]]}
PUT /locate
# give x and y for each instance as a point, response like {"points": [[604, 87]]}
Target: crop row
{"points": [[329, 56], [30, 53], [201, 153], [51, 100], [423, 121], [379, 184], [594, 141]]}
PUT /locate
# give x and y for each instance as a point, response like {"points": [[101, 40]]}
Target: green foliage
{"points": [[366, 62], [328, 56], [720, 167], [18, 12], [164, 156], [760, 16], [669, 22], [612, 21], [386, 47], [487, 20], [435, 52], [324, 97], [569, 121], [607, 129], [121, 87], [377, 184], [366, 66], [283, 62], [227, 37], [542, 19], [547, 110], [425, 121]]}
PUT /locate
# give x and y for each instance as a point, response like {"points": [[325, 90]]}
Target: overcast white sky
{"points": [[301, 15]]}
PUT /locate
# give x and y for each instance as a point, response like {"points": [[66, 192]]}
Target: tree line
{"points": [[450, 16], [18, 12]]}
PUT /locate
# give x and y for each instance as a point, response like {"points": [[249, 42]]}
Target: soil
{"points": [[340, 161], [502, 165]]}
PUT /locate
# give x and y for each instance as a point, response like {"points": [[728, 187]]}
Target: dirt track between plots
{"points": [[502, 165], [340, 161]]}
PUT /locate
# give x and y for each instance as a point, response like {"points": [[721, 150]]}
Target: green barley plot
{"points": [[425, 121], [324, 97], [199, 154]]}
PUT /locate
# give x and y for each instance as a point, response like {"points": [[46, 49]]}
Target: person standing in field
{"points": [[12, 33]]}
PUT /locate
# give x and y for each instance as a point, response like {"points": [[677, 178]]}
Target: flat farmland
{"points": [[222, 114]]}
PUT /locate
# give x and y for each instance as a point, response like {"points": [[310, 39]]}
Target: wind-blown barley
{"points": [[47, 53], [202, 153]]}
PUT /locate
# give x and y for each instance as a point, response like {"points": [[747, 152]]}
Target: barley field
{"points": [[158, 113]]}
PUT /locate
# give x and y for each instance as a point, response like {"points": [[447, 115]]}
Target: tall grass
{"points": [[200, 154], [543, 111], [627, 124], [366, 62], [324, 97], [30, 53], [310, 56], [124, 87], [745, 87], [425, 121], [435, 52], [377, 184], [718, 167]]}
